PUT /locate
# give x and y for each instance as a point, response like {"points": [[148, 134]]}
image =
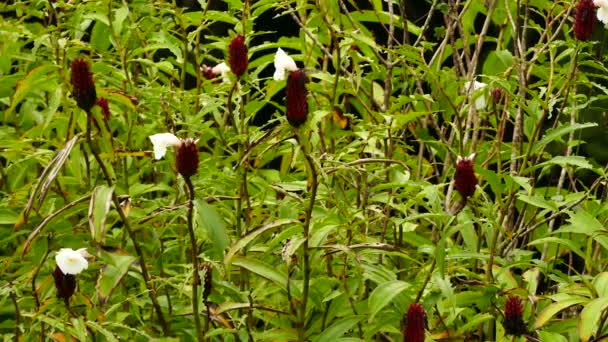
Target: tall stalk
{"points": [[129, 229], [305, 248], [194, 256]]}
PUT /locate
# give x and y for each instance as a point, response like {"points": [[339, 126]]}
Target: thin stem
{"points": [[307, 219], [194, 256], [129, 229]]}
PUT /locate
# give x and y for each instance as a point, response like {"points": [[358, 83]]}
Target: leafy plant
{"points": [[364, 212]]}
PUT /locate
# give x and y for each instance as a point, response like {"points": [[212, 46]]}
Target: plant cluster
{"points": [[303, 170]]}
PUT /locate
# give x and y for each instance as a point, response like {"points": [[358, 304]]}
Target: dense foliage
{"points": [[424, 170]]}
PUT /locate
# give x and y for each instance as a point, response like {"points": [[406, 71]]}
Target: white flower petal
{"points": [[161, 141], [283, 62], [70, 261], [600, 3], [602, 15], [480, 99], [221, 68]]}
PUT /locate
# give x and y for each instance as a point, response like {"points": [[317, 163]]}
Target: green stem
{"points": [[306, 260], [194, 255], [129, 229]]}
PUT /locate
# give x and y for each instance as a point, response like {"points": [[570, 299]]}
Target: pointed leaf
{"points": [[98, 211], [588, 324], [553, 309], [383, 294], [262, 269]]}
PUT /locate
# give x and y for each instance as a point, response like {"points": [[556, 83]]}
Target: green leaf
{"points": [[475, 322], [263, 270], [600, 283], [588, 324], [538, 201], [213, 223], [563, 161], [245, 240], [38, 78], [567, 243], [553, 134], [111, 274], [98, 211], [553, 309], [383, 294], [338, 328]]}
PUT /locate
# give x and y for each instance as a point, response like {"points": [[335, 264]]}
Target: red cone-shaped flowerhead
{"points": [[297, 105], [65, 284], [415, 321], [102, 102], [584, 19], [186, 158], [464, 179], [82, 82], [238, 56], [513, 321]]}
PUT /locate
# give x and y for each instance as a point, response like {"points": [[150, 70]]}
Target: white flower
{"points": [[161, 141], [283, 62], [480, 98], [70, 261], [602, 12], [222, 69]]}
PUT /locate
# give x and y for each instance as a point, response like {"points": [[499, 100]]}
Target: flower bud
{"points": [[102, 102], [464, 178], [65, 284], [584, 20], [297, 104], [513, 321], [414, 323], [238, 55], [186, 157], [82, 82], [497, 96], [208, 278]]}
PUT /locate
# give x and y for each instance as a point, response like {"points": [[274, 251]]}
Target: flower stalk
{"points": [[200, 334], [305, 248]]}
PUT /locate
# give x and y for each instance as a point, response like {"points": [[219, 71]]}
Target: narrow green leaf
{"points": [[245, 240], [338, 328], [213, 223], [383, 294], [98, 211], [600, 283], [553, 309], [111, 274], [474, 323], [262, 269], [553, 134], [588, 324]]}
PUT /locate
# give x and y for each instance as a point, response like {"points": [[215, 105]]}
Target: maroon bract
{"points": [[497, 95], [186, 157], [464, 178], [238, 56], [208, 72], [513, 321], [415, 322], [584, 20], [297, 104], [102, 102], [65, 284], [207, 269], [83, 87]]}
